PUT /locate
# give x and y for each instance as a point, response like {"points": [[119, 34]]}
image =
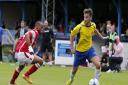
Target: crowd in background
{"points": [[124, 29], [45, 44]]}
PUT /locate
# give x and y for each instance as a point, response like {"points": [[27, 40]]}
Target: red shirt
{"points": [[22, 45]]}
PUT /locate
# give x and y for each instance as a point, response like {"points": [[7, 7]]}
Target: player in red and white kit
{"points": [[25, 55]]}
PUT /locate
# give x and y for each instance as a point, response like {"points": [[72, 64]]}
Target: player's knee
{"points": [[21, 67], [98, 66], [40, 61]]}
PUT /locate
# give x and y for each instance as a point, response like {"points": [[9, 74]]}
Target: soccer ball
{"points": [[94, 82]]}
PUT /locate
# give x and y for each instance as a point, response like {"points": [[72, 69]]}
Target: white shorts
{"points": [[24, 58]]}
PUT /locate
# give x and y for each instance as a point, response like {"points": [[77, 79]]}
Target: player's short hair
{"points": [[88, 11], [39, 23]]}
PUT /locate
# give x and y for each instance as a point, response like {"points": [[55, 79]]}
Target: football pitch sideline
{"points": [[56, 75]]}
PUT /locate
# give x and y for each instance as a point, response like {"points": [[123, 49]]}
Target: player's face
{"points": [[87, 17], [40, 28]]}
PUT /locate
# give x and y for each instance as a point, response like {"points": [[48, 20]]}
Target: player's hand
{"points": [[72, 50], [30, 49], [105, 38]]}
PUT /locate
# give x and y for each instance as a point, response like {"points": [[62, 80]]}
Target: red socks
{"points": [[15, 75], [29, 72], [32, 69]]}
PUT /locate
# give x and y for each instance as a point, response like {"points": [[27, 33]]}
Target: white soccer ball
{"points": [[94, 82]]}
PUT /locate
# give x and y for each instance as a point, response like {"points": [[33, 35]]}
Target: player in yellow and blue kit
{"points": [[84, 49]]}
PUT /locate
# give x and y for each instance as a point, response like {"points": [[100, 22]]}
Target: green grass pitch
{"points": [[56, 75]]}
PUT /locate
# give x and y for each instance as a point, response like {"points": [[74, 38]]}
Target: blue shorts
{"points": [[80, 57]]}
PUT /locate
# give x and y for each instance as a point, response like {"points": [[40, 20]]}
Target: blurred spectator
{"points": [[111, 33], [72, 24], [107, 32], [53, 27], [116, 59], [111, 37], [107, 48], [22, 30], [60, 28], [17, 25], [1, 32], [46, 45]]}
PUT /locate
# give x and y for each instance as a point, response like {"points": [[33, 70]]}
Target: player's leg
{"points": [[76, 64], [96, 61], [72, 75], [16, 73], [20, 58], [37, 63]]}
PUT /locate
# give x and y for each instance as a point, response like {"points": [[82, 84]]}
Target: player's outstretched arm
{"points": [[99, 34]]}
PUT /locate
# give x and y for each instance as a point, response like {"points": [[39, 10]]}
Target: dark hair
{"points": [[88, 11]]}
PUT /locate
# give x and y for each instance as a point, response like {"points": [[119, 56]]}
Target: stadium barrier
{"points": [[8, 39]]}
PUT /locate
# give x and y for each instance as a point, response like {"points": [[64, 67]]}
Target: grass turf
{"points": [[56, 75]]}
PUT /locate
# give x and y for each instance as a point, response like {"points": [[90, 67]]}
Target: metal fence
{"points": [[8, 39]]}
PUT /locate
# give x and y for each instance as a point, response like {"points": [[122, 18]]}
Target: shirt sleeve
{"points": [[94, 26], [76, 30]]}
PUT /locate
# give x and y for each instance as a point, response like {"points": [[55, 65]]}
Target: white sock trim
{"points": [[37, 65], [97, 73]]}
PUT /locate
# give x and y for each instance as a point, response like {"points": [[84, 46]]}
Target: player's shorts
{"points": [[24, 58], [80, 57]]}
